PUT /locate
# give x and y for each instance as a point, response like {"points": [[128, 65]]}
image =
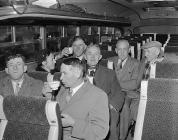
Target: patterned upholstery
{"points": [[43, 75], [157, 114], [167, 70], [25, 118]]}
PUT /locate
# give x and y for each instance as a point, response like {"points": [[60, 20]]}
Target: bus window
{"points": [[53, 35], [20, 39]]}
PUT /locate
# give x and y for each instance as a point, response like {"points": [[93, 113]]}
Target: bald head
{"points": [[122, 49]]}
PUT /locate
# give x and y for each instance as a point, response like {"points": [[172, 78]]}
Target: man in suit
{"points": [[84, 107], [17, 82], [77, 50], [153, 55], [106, 80], [127, 71]]}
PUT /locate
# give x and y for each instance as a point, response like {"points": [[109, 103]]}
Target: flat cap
{"points": [[152, 44]]}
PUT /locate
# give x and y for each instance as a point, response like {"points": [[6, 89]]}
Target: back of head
{"points": [[43, 55]]}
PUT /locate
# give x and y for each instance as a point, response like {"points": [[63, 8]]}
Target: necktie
{"points": [[92, 73], [121, 64], [69, 95], [17, 89], [147, 71]]}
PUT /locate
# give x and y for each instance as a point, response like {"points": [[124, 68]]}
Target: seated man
{"points": [[46, 62], [106, 80], [77, 50], [84, 107], [153, 54], [126, 69], [17, 82]]}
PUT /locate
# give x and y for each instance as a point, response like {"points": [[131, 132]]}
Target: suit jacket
{"points": [[143, 64], [30, 87], [106, 80], [89, 108], [128, 75]]}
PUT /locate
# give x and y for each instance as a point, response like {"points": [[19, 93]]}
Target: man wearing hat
{"points": [[153, 54]]}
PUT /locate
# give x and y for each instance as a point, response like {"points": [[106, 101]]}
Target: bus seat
{"points": [[167, 70], [31, 66], [29, 118], [38, 75], [2, 74], [164, 70], [158, 108], [103, 62], [106, 54], [43, 75]]}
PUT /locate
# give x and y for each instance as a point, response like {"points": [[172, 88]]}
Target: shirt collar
{"points": [[74, 90], [80, 57], [14, 83], [124, 61], [45, 68]]}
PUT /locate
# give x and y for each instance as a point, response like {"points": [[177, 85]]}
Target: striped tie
{"points": [[17, 89]]}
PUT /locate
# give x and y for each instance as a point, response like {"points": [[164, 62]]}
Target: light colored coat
{"points": [[89, 108]]}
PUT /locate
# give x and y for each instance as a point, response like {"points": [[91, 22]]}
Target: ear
{"points": [[25, 68], [6, 70], [100, 57]]}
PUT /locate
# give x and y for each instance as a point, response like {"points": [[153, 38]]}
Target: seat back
{"points": [[164, 70], [43, 75], [27, 118], [158, 108]]}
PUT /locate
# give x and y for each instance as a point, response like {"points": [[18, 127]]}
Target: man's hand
{"points": [[66, 51], [67, 120]]}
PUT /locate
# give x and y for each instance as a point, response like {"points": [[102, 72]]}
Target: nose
{"points": [[15, 67]]}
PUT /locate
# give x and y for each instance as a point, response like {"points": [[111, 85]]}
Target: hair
{"points": [[75, 38], [75, 62], [13, 56], [44, 53], [93, 45]]}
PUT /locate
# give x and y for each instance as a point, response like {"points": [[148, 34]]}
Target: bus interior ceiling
{"points": [[30, 26]]}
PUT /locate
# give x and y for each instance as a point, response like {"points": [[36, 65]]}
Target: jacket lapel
{"points": [[8, 87], [25, 85], [99, 76], [78, 95], [125, 69]]}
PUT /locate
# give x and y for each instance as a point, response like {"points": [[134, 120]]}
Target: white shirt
{"points": [[14, 84], [74, 90]]}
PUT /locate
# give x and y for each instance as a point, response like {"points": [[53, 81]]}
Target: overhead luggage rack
{"points": [[32, 14]]}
